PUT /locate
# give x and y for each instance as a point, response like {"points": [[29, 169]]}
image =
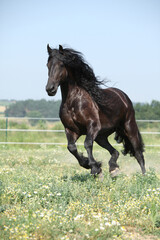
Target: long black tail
{"points": [[120, 137]]}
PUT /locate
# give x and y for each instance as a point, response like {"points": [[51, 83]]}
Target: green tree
{"points": [[43, 107], [34, 114]]}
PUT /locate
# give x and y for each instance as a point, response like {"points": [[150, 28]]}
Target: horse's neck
{"points": [[66, 89]]}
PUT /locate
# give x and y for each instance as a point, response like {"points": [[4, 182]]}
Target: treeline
{"points": [[33, 108], [43, 108], [148, 111]]}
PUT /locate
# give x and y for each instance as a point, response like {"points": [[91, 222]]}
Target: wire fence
{"points": [[6, 129]]}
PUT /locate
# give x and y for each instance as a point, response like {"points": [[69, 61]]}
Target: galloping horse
{"points": [[87, 109]]}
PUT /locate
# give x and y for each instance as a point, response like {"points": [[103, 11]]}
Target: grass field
{"points": [[45, 194], [50, 137]]}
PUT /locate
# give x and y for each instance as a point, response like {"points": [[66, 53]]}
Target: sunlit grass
{"points": [[54, 137], [45, 194]]}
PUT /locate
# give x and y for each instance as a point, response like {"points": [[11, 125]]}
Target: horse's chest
{"points": [[69, 118]]}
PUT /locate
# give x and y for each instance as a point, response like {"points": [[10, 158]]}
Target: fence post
{"points": [[6, 129]]}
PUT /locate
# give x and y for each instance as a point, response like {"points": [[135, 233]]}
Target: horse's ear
{"points": [[49, 49], [61, 49]]}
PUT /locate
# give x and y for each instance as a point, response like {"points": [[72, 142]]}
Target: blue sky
{"points": [[120, 39]]}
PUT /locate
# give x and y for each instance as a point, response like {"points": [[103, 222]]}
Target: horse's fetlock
{"points": [[96, 168], [115, 155], [88, 144]]}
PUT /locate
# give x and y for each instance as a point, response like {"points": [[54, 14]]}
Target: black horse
{"points": [[87, 109]]}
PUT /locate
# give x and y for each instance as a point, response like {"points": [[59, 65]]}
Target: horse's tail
{"points": [[120, 137]]}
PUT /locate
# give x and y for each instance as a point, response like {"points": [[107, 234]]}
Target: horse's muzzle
{"points": [[51, 90]]}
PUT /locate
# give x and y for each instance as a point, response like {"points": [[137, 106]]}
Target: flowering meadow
{"points": [[45, 194]]}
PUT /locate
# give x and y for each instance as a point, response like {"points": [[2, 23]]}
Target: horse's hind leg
{"points": [[140, 158], [103, 142], [135, 139]]}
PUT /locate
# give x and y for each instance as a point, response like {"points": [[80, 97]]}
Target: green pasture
{"points": [[45, 194], [52, 137]]}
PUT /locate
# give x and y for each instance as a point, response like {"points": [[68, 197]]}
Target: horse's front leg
{"points": [[92, 132], [72, 138]]}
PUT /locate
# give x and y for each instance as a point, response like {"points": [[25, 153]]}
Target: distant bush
{"points": [[33, 108], [147, 111], [34, 114]]}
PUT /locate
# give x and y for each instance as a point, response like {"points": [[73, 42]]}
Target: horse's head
{"points": [[57, 72]]}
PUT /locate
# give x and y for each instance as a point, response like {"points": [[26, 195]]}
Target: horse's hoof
{"points": [[114, 173], [96, 170], [101, 177], [98, 174]]}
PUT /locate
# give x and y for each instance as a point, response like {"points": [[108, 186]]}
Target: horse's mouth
{"points": [[52, 93]]}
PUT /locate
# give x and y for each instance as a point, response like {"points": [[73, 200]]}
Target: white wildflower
{"points": [[87, 235], [58, 194], [108, 224], [78, 217], [114, 223], [102, 228]]}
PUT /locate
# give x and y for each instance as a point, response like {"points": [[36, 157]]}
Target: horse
{"points": [[89, 109]]}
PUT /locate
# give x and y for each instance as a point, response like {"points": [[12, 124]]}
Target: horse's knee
{"points": [[72, 148]]}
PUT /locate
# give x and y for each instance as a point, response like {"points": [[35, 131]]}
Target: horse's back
{"points": [[118, 95]]}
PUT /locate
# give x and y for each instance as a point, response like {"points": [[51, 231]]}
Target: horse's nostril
{"points": [[50, 88]]}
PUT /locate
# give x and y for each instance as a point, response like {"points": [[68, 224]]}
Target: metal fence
{"points": [[7, 130]]}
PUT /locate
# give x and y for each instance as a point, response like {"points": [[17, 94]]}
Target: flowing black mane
{"points": [[84, 74]]}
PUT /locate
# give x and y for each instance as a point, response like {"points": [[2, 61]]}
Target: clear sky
{"points": [[120, 39]]}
